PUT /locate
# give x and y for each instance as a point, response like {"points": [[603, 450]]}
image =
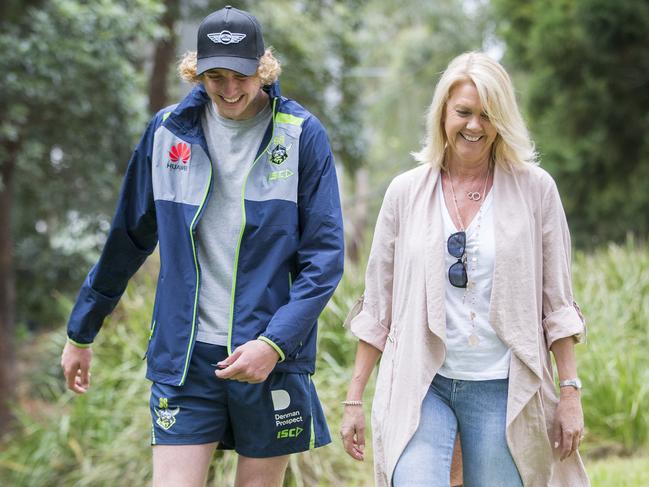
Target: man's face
{"points": [[236, 96]]}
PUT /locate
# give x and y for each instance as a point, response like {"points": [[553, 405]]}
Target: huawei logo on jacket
{"points": [[179, 156]]}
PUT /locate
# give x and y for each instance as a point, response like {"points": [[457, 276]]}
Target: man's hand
{"points": [[75, 362], [251, 362]]}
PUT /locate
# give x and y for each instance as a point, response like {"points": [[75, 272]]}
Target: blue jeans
{"points": [[478, 410]]}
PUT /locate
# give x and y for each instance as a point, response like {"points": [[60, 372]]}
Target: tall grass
{"points": [[102, 438], [612, 286], [99, 438]]}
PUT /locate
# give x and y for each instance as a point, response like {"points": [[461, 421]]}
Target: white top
{"points": [[474, 351], [232, 145]]}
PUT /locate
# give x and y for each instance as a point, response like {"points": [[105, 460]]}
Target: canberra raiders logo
{"points": [[279, 154], [166, 417]]}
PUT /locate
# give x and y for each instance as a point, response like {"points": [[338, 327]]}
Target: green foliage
{"points": [[72, 102], [411, 47], [587, 68], [317, 43], [102, 438], [619, 472], [612, 285]]}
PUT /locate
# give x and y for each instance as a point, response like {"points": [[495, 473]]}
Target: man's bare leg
{"points": [[261, 472], [181, 465]]}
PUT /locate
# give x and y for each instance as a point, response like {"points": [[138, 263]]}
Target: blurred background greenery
{"points": [[78, 82]]}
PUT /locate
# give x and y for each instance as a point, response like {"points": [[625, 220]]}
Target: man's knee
{"points": [[261, 472]]}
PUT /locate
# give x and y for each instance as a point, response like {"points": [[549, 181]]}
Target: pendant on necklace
{"points": [[473, 195], [473, 340]]}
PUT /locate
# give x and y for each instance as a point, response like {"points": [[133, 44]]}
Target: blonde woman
{"points": [[236, 185], [468, 290]]}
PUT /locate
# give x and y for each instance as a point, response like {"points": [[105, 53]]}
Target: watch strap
{"points": [[576, 383]]}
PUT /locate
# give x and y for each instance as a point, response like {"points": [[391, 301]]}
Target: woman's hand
{"points": [[568, 422], [352, 431]]}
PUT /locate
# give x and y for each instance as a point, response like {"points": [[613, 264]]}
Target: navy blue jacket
{"points": [[288, 261]]}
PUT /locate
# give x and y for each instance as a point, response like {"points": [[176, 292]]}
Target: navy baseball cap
{"points": [[229, 38]]}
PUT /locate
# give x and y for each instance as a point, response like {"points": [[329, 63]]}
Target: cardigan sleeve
{"points": [[370, 318], [561, 315]]}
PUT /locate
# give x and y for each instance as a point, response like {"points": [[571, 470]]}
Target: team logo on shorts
{"points": [[286, 420], [166, 417]]}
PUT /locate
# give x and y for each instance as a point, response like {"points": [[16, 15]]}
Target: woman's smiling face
{"points": [[469, 133]]}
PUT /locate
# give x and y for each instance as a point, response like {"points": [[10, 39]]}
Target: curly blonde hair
{"points": [[495, 89], [268, 71]]}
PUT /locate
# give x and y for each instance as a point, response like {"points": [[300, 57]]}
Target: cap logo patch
{"points": [[226, 37]]}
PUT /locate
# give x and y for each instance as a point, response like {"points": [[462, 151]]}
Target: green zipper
{"points": [[148, 344], [191, 236], [243, 226]]}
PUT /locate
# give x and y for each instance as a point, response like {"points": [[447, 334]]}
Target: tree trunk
{"points": [[358, 215], [165, 53], [7, 288]]}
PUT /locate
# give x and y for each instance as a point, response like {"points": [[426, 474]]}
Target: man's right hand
{"points": [[75, 362]]}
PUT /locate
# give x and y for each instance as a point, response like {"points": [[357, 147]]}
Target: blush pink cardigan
{"points": [[402, 313]]}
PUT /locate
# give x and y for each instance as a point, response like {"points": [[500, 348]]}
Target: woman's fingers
{"points": [[352, 434]]}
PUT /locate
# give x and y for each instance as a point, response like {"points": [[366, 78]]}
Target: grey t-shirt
{"points": [[232, 146]]}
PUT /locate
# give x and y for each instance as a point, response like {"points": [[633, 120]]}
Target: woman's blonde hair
{"points": [[512, 144], [268, 71]]}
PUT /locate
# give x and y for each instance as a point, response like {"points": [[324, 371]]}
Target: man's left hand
{"points": [[252, 362]]}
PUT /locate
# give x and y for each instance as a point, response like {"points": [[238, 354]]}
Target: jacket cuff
{"points": [[276, 347], [78, 344], [365, 326], [88, 314], [564, 322]]}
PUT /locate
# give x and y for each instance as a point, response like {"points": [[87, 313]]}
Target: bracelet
{"points": [[351, 403]]}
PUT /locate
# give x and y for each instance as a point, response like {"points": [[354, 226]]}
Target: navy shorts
{"points": [[282, 415]]}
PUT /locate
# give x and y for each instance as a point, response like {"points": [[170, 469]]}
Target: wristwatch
{"points": [[576, 383]]}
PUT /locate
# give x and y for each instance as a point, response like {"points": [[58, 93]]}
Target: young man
{"points": [[237, 186]]}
